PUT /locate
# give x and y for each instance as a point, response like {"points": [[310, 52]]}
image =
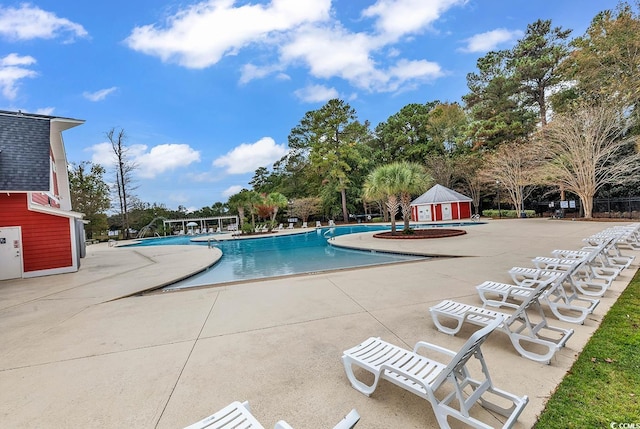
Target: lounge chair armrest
{"points": [[425, 345], [281, 424]]}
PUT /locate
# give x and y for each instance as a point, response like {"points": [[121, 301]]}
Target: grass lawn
{"points": [[603, 386]]}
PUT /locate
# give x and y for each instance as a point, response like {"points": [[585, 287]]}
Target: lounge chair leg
{"points": [[445, 329], [357, 384], [545, 358]]}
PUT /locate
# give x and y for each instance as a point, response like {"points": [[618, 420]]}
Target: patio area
{"points": [[86, 349]]}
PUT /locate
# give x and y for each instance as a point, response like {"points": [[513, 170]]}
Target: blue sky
{"points": [[208, 91]]}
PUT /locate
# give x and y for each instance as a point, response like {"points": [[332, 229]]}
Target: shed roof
{"points": [[440, 194]]}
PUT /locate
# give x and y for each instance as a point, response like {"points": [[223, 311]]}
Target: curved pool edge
{"points": [[448, 247]]}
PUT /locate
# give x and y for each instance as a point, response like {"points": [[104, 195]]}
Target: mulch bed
{"points": [[421, 233]]}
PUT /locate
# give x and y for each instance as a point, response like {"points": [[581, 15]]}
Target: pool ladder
{"points": [[329, 233]]}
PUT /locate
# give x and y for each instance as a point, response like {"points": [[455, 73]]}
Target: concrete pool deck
{"points": [[75, 353]]}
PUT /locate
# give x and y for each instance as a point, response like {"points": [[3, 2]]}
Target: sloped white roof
{"points": [[440, 194]]}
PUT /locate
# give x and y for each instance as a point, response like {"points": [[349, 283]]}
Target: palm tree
{"points": [[380, 185], [276, 201], [395, 183], [238, 203], [245, 200], [412, 179]]}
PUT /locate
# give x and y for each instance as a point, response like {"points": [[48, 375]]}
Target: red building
{"points": [[440, 203], [39, 232]]}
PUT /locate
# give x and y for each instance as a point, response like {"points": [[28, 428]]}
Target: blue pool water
{"points": [[274, 256]]}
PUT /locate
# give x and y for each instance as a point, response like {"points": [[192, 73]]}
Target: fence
{"points": [[613, 208], [621, 208]]}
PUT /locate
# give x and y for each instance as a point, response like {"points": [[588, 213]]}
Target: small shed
{"points": [[440, 203], [40, 234]]}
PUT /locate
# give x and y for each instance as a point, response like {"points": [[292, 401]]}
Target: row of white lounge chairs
{"points": [[280, 227], [568, 282], [560, 281]]}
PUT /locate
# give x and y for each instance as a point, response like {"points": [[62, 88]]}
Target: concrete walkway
{"points": [[86, 350]]}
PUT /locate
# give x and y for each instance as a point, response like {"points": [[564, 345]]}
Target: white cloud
{"points": [[12, 70], [99, 95], [160, 159], [232, 190], [101, 153], [45, 111], [165, 157], [30, 22], [333, 51], [316, 93], [330, 52], [200, 35], [411, 71], [14, 59], [301, 33], [250, 72], [246, 158], [490, 40], [395, 18]]}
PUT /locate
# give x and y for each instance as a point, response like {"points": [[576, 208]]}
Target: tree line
{"points": [[551, 118]]}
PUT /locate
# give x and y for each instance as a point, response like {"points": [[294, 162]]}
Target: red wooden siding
{"points": [[44, 200], [41, 199], [46, 239]]}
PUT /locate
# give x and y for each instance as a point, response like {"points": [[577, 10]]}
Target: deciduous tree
{"points": [[515, 166], [587, 149], [90, 195], [124, 168], [305, 207], [605, 63]]}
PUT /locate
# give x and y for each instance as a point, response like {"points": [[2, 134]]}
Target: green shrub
{"points": [[507, 213]]}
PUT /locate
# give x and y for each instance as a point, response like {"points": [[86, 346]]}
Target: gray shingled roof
{"points": [[440, 194], [24, 152]]}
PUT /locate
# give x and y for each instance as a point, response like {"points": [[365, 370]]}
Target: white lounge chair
{"points": [[522, 332], [318, 224], [587, 279], [611, 242], [570, 308], [280, 227], [304, 224], [424, 377], [628, 235], [331, 223], [290, 225], [237, 415]]}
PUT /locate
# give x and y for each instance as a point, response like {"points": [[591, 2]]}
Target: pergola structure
{"points": [[207, 224]]}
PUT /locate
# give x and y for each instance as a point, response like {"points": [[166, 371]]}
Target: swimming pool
{"points": [[274, 256]]}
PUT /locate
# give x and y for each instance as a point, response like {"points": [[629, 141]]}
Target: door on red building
{"points": [[446, 211], [10, 253]]}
